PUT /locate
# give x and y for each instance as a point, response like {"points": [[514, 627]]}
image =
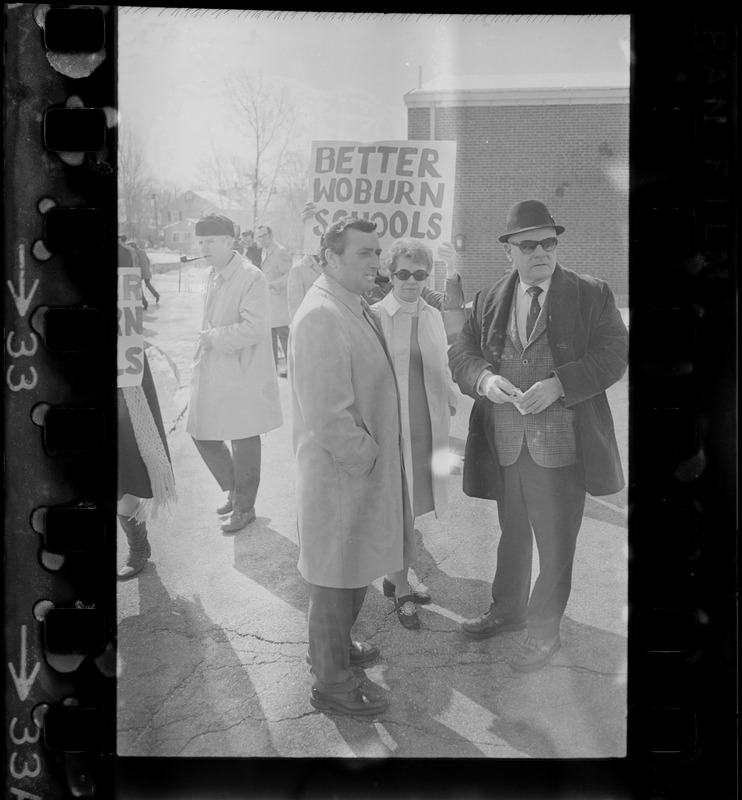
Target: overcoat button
{"points": [[525, 361]]}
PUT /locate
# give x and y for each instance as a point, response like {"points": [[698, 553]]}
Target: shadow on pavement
{"points": [[168, 703], [454, 697], [596, 510], [269, 559]]}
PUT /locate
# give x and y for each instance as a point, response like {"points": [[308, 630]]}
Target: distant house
{"points": [[181, 235], [179, 217], [560, 138]]}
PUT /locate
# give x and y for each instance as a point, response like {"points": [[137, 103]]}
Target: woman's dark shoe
{"points": [[406, 612], [421, 598]]}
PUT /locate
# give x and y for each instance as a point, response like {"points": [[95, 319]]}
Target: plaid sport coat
{"points": [[589, 345], [549, 435]]}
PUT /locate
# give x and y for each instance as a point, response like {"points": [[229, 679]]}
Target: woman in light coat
{"points": [[416, 338]]}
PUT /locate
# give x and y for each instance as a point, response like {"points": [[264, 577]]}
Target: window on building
{"points": [[176, 237], [169, 216], [180, 216]]}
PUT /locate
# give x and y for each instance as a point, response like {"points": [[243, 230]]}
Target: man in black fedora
{"points": [[540, 349]]}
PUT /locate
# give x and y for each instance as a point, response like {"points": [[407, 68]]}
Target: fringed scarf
{"points": [[153, 454]]}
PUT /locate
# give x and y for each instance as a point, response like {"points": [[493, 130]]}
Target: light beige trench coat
{"points": [[439, 391], [234, 388], [353, 515]]}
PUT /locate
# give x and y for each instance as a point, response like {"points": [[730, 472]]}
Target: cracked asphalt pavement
{"points": [[212, 636]]}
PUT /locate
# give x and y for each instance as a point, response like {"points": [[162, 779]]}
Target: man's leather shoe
{"points": [[354, 704], [238, 521], [227, 508], [535, 654], [360, 653], [420, 598], [485, 626]]}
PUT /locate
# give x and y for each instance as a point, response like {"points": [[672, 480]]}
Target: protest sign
{"points": [[406, 187], [130, 327]]}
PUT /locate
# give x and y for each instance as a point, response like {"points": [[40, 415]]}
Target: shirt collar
{"points": [[544, 285], [229, 270]]}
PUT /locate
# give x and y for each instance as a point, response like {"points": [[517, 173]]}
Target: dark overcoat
{"points": [[589, 344]]}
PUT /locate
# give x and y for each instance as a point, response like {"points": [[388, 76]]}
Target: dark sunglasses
{"points": [[404, 274], [528, 246]]}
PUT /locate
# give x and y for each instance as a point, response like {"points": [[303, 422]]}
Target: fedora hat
{"points": [[527, 216]]}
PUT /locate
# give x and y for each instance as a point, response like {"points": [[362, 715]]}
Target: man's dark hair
{"points": [[268, 228], [334, 237], [248, 233]]}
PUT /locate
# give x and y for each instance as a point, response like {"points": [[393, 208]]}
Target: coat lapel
{"points": [[561, 316], [495, 315]]}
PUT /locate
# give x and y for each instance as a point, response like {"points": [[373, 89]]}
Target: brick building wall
{"points": [[573, 157]]}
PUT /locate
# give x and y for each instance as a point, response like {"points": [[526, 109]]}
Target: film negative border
{"points": [[59, 504], [683, 349], [60, 423]]}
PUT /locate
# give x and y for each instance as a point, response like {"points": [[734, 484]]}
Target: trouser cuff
{"points": [[334, 688]]}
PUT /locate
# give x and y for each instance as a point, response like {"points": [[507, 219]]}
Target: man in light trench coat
{"points": [[352, 508], [234, 389]]}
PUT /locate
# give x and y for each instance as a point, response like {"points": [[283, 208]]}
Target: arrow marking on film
{"points": [[21, 299], [22, 681]]}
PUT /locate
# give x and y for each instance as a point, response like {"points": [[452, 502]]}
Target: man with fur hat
{"points": [[234, 389], [539, 351]]}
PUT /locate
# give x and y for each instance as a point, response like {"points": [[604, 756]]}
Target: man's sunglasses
{"points": [[404, 274], [528, 246]]}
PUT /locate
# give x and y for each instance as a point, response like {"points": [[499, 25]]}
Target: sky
{"points": [[348, 72]]}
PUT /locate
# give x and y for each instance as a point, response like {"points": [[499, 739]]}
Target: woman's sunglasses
{"points": [[404, 274]]}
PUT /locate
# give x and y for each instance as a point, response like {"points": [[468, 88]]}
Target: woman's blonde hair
{"points": [[419, 253]]}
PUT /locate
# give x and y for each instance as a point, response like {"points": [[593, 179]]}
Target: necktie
{"points": [[533, 311]]}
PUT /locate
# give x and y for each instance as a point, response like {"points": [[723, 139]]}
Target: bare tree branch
{"points": [[266, 114], [133, 181]]}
